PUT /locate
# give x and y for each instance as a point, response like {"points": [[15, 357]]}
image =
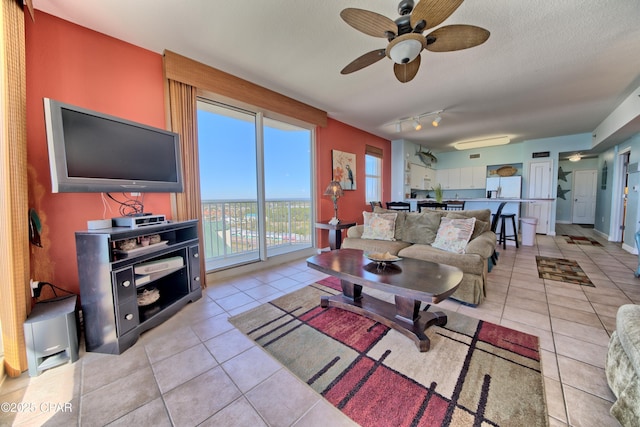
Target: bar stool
{"points": [[503, 236], [494, 227]]}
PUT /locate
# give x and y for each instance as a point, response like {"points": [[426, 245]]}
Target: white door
{"points": [[584, 196], [540, 179]]}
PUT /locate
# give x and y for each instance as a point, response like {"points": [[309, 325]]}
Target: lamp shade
{"points": [[334, 189]]}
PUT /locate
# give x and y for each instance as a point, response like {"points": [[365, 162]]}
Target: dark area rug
{"points": [[562, 270], [581, 240], [476, 373]]}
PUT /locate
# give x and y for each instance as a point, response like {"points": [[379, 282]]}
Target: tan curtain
{"points": [[183, 110], [14, 232]]}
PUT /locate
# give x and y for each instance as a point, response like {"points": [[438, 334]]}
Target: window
{"points": [[255, 179], [373, 174]]}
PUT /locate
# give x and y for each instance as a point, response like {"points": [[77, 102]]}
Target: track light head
{"points": [[416, 124], [436, 121], [399, 127]]}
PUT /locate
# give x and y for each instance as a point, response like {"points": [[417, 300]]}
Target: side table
{"points": [[335, 232]]}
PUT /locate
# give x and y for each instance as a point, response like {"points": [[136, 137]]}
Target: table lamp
{"points": [[335, 191]]}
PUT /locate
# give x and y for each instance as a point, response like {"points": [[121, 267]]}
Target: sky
{"points": [[228, 159]]}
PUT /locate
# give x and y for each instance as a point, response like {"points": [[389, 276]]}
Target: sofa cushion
{"points": [[421, 227], [480, 227], [379, 226], [454, 234], [468, 263]]}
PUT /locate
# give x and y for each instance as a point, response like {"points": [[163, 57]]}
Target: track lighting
{"points": [[415, 121]]}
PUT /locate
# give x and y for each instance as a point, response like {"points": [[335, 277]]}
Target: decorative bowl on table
{"points": [[382, 261], [382, 257]]}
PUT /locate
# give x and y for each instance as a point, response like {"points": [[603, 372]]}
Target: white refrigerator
{"points": [[508, 187]]}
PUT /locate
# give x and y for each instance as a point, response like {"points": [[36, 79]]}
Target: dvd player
{"points": [[139, 221]]}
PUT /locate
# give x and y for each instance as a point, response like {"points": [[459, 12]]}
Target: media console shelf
{"points": [[110, 286]]}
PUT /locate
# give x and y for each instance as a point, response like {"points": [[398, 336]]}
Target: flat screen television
{"points": [[97, 153]]}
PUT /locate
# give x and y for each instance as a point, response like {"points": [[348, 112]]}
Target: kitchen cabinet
{"points": [[462, 178], [473, 177], [421, 177], [449, 179]]}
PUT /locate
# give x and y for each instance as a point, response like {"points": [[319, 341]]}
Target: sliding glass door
{"points": [[287, 182], [255, 179]]}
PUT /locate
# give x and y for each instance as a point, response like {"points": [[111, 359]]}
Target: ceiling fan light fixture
{"points": [[481, 143], [405, 51], [575, 157], [436, 121], [416, 124]]}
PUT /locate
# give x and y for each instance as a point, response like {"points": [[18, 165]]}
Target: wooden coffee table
{"points": [[411, 281]]}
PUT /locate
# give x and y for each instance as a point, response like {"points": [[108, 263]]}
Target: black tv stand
{"points": [[110, 287]]}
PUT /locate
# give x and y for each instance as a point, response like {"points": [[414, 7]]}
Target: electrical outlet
{"points": [[34, 284]]}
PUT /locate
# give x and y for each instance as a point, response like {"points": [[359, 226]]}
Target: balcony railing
{"points": [[231, 234]]}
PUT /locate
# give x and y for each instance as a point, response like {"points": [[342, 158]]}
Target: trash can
{"points": [[528, 230]]}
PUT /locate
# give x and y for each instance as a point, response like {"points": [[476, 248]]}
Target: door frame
{"points": [[617, 202]]}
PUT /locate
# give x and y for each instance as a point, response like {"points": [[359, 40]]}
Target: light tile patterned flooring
{"points": [[197, 369]]}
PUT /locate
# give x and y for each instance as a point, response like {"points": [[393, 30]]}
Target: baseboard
{"points": [[630, 249], [601, 234], [563, 222]]}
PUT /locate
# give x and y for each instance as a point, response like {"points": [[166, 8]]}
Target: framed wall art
{"points": [[344, 169]]}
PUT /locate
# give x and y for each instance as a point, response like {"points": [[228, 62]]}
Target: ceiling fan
{"points": [[405, 37]]}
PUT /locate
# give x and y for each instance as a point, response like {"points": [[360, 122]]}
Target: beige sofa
{"points": [[413, 238]]}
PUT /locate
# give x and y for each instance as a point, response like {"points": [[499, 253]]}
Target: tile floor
{"points": [[197, 369]]}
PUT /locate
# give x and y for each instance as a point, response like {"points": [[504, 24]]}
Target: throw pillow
{"points": [[379, 226], [421, 227], [480, 227], [399, 220], [454, 234]]}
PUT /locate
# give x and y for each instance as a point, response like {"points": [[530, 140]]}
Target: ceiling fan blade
{"points": [[406, 72], [364, 61], [456, 37], [434, 12], [368, 22]]}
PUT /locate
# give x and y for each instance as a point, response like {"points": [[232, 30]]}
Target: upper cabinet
{"points": [[421, 177], [462, 178]]}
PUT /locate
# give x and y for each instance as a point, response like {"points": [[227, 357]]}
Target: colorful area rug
{"points": [[476, 373], [581, 240], [562, 270]]}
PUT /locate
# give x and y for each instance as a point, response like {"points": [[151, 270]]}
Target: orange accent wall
{"points": [[79, 66], [339, 136]]}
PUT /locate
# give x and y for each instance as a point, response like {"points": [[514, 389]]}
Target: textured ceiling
{"points": [[549, 68]]}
